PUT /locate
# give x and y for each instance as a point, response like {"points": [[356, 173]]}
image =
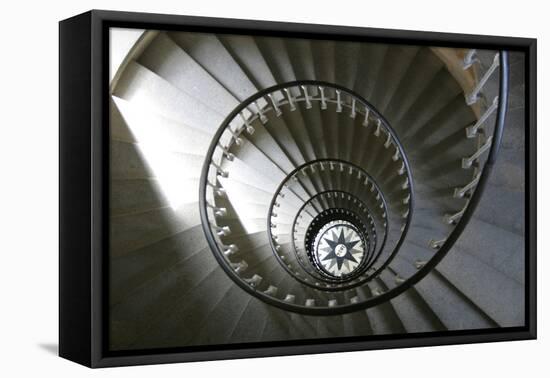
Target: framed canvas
{"points": [[233, 188]]}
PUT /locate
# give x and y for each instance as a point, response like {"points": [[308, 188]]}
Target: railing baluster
{"points": [[218, 190], [220, 231], [353, 113], [290, 100], [228, 155], [471, 131], [271, 290], [323, 99], [395, 156], [366, 119], [219, 170], [459, 192], [306, 96], [235, 135], [387, 144], [453, 218], [473, 96], [338, 101], [467, 162], [254, 281], [240, 266], [290, 298], [275, 105], [470, 58], [436, 244], [261, 114], [377, 131], [218, 211], [230, 250], [399, 280], [401, 170], [419, 264]]}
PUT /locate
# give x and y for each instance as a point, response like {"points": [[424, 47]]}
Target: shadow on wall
{"points": [[52, 348]]}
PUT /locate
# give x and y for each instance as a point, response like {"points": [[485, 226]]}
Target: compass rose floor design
{"points": [[340, 249]]}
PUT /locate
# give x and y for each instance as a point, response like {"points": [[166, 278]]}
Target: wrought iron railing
{"points": [[274, 102]]}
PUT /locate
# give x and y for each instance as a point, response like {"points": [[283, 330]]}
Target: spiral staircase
{"points": [[268, 189]]}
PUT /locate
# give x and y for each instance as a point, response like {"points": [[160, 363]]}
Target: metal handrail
{"points": [[370, 111], [428, 266], [272, 204], [424, 268]]}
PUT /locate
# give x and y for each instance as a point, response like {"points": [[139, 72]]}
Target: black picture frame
{"points": [[83, 197]]}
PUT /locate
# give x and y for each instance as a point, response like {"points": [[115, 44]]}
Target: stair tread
{"points": [[150, 91], [504, 251], [413, 312], [453, 309], [172, 328], [137, 125], [136, 231], [130, 271], [137, 319], [164, 57], [224, 68], [218, 326], [138, 162], [469, 274]]}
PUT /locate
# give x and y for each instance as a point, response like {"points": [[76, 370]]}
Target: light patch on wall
{"points": [[251, 212], [176, 168]]}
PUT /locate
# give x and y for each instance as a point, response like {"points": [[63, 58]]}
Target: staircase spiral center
{"points": [[328, 221], [339, 248]]}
